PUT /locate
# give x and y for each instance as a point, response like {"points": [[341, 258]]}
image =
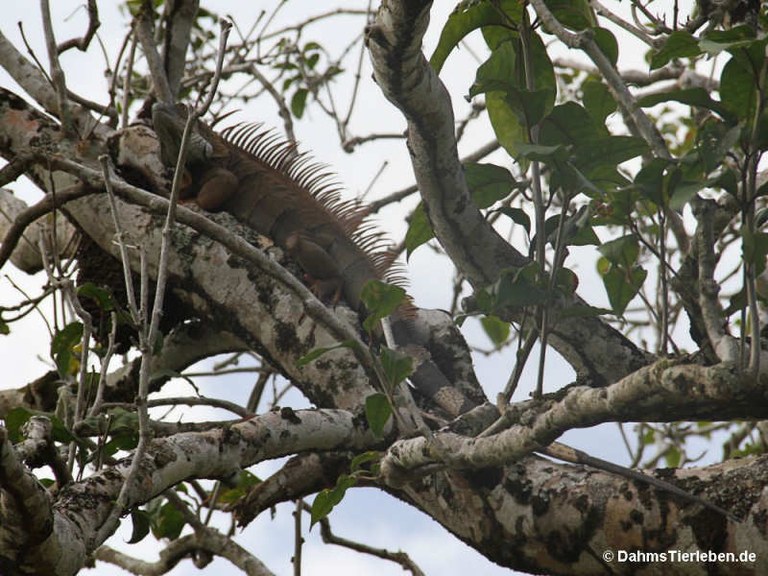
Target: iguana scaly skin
{"points": [[265, 183], [269, 186]]}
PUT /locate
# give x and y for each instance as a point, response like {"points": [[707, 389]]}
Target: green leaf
{"points": [[553, 154], [598, 100], [61, 347], [509, 130], [621, 252], [14, 420], [326, 500], [503, 72], [673, 457], [498, 72], [419, 231], [4, 328], [622, 286], [608, 150], [573, 14], [380, 300], [607, 43], [362, 459], [690, 96], [679, 44], [168, 522], [141, 522], [299, 102], [245, 481], [653, 178], [514, 289], [396, 365], [518, 216], [713, 141], [497, 330], [755, 248], [738, 89], [101, 296], [488, 183], [466, 19], [570, 124], [733, 39], [377, 412]]}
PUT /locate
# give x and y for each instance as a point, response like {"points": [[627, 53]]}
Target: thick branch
{"points": [[662, 392], [61, 547], [597, 352]]}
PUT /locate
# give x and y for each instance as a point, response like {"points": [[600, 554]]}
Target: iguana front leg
{"points": [[322, 271], [216, 186]]}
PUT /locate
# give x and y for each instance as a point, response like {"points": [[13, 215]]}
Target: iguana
{"points": [[269, 186]]}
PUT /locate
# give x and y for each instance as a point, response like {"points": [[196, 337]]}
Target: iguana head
{"points": [[169, 121]]}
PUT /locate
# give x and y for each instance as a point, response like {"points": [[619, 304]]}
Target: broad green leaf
{"points": [[653, 180], [598, 100], [673, 457], [621, 252], [515, 289], [326, 500], [713, 141], [380, 300], [299, 102], [141, 522], [570, 124], [498, 72], [467, 19], [488, 183], [167, 522], [101, 296], [607, 43], [690, 96], [679, 44], [62, 346], [622, 286], [419, 231], [14, 420], [755, 248], [362, 459], [543, 74], [543, 153], [377, 412], [509, 130], [518, 216], [245, 481], [740, 79], [608, 151], [396, 365], [503, 73], [497, 330], [733, 39], [573, 14]]}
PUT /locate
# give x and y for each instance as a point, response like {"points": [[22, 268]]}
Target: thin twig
{"points": [[57, 74]]}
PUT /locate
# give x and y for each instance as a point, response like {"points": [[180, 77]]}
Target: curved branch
{"points": [[60, 547], [598, 352]]}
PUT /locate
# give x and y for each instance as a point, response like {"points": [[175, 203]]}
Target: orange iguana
{"points": [[265, 183]]}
